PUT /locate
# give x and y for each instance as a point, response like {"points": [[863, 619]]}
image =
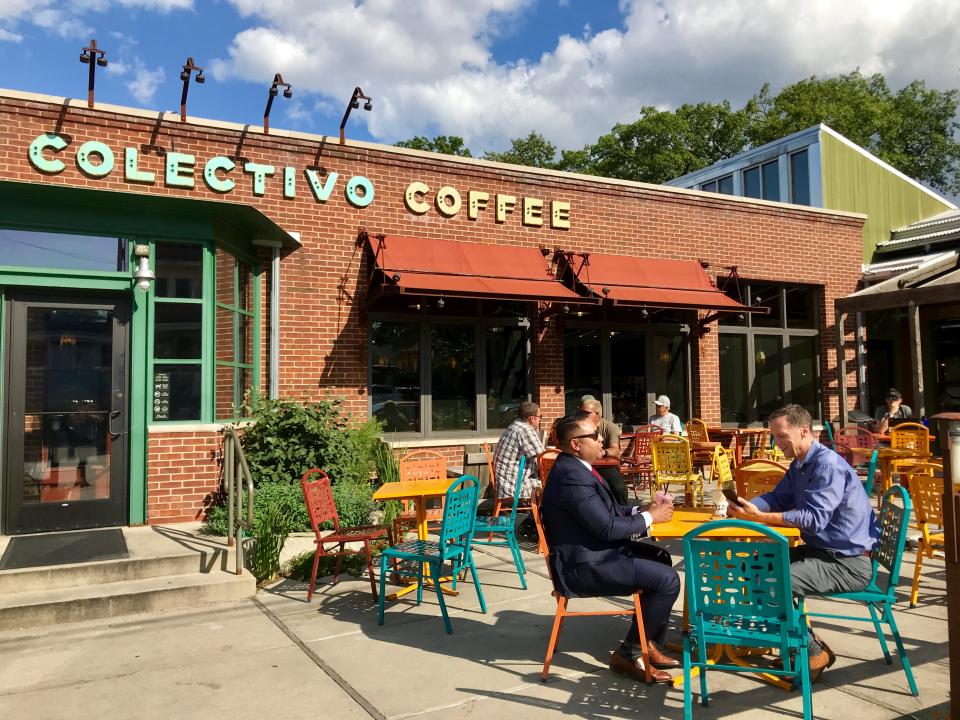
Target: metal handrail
{"points": [[233, 456]]}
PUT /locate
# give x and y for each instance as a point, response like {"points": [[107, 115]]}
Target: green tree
{"points": [[534, 150], [446, 144]]}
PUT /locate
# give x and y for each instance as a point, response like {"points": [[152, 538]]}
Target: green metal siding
{"points": [[854, 182]]}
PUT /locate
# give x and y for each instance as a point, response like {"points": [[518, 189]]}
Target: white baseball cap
{"points": [[662, 400]]}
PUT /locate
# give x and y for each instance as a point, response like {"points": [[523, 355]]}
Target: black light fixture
{"points": [[273, 92], [189, 67], [92, 56], [354, 104]]}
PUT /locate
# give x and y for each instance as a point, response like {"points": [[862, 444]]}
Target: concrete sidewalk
{"points": [[279, 657]]}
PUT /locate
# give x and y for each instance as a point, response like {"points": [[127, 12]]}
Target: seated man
{"points": [[610, 447], [822, 495], [894, 409], [591, 551], [520, 439], [663, 418]]}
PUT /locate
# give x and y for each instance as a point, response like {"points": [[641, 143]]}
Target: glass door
{"points": [[66, 419]]}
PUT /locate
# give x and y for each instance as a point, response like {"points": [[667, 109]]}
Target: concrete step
{"points": [[124, 597]]}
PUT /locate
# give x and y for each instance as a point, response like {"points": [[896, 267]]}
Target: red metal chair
{"points": [[318, 495], [853, 437], [636, 463]]}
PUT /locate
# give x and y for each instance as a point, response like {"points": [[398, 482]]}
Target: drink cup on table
{"points": [[720, 504], [662, 497]]}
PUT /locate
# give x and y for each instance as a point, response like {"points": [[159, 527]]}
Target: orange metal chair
{"points": [[418, 465], [926, 490], [562, 600], [755, 477], [545, 461], [636, 464], [318, 495], [701, 446]]}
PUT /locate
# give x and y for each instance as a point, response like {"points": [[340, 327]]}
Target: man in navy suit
{"points": [[591, 550]]}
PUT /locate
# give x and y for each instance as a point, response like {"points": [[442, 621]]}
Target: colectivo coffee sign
{"points": [[220, 174]]}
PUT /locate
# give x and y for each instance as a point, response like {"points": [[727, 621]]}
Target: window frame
{"points": [[425, 318], [784, 333]]}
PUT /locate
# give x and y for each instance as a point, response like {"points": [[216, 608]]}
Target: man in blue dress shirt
{"points": [[823, 497]]}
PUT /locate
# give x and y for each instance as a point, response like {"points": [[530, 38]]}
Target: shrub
{"points": [[298, 568], [286, 498], [388, 470], [270, 533]]}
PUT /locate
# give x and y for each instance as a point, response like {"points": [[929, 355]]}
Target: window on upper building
{"points": [[800, 178], [722, 185], [762, 181]]}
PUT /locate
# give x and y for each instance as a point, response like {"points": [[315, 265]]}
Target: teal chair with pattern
{"points": [[871, 473], [739, 594], [487, 526], [880, 594], [452, 546]]}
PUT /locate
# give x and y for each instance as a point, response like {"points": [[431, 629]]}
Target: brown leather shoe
{"points": [[660, 659], [634, 669], [818, 663]]}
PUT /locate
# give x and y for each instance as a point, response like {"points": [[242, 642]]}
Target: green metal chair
{"points": [[453, 546], [505, 525], [880, 594], [739, 593]]}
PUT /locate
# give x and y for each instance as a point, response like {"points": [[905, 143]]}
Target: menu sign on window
{"points": [[161, 396]]}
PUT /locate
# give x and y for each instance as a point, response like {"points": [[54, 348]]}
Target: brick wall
{"points": [[323, 345], [184, 475]]}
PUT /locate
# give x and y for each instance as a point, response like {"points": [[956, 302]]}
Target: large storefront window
{"points": [[235, 320], [626, 368], [432, 374], [767, 360], [63, 251]]}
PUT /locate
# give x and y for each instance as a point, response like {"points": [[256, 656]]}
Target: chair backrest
{"points": [[761, 443], [423, 465], [545, 461], [746, 579], [853, 437], [893, 521], [756, 477], [318, 495], [493, 479], [642, 444], [828, 429], [671, 455], [721, 461], [459, 516], [542, 532], [926, 490], [697, 431], [912, 436], [871, 472]]}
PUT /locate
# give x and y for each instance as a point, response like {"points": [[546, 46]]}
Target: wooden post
{"points": [[916, 358], [841, 371]]}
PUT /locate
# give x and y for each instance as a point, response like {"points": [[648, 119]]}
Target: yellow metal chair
{"points": [[926, 489], [907, 436], [672, 464]]}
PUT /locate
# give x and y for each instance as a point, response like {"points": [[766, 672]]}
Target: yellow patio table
{"points": [[683, 522], [419, 491]]}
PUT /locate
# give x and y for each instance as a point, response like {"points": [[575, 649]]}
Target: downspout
{"points": [[274, 391]]}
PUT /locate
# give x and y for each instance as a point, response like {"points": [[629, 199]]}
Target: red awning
{"points": [[625, 280], [457, 269]]}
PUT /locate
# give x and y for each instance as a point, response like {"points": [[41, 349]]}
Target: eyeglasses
{"points": [[595, 435]]}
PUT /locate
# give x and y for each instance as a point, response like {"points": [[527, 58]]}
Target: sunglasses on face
{"points": [[595, 435]]}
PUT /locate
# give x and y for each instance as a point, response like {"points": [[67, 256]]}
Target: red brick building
{"points": [[309, 269]]}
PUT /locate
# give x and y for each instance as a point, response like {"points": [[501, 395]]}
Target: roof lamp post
{"points": [[354, 104], [92, 56], [189, 67], [274, 90], [143, 275]]}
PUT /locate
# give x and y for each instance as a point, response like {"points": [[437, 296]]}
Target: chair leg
{"points": [[419, 583], [476, 583], [880, 634], [313, 573], [687, 694], [702, 662], [517, 560], [901, 651], [803, 668], [435, 571], [369, 555], [641, 630], [383, 583], [915, 590], [336, 572], [554, 636]]}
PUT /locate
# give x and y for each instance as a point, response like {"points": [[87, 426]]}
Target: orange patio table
{"points": [[683, 522], [419, 491]]}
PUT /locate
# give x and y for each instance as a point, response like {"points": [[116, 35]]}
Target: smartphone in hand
{"points": [[731, 496]]}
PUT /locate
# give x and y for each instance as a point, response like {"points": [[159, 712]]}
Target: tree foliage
{"points": [[914, 129]]}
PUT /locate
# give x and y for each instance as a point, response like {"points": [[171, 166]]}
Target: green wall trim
{"points": [[141, 391], [855, 182]]}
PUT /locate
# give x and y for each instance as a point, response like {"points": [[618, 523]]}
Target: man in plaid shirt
{"points": [[520, 439]]}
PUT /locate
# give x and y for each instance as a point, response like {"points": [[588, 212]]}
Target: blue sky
{"points": [[487, 70]]}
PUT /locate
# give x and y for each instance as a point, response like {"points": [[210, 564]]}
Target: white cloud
{"points": [[143, 85], [67, 18], [7, 36], [429, 67], [163, 6]]}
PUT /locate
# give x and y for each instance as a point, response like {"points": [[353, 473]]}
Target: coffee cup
{"points": [[720, 504]]}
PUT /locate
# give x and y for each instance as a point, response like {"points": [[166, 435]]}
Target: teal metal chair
{"points": [[505, 525], [880, 594], [871, 473], [828, 429], [453, 546], [739, 593]]}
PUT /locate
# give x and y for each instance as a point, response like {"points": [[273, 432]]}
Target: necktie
{"points": [[598, 476]]}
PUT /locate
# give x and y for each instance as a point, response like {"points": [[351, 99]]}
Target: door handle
{"points": [[113, 415]]}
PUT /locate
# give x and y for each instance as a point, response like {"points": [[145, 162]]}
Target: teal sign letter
{"points": [[41, 143]]}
